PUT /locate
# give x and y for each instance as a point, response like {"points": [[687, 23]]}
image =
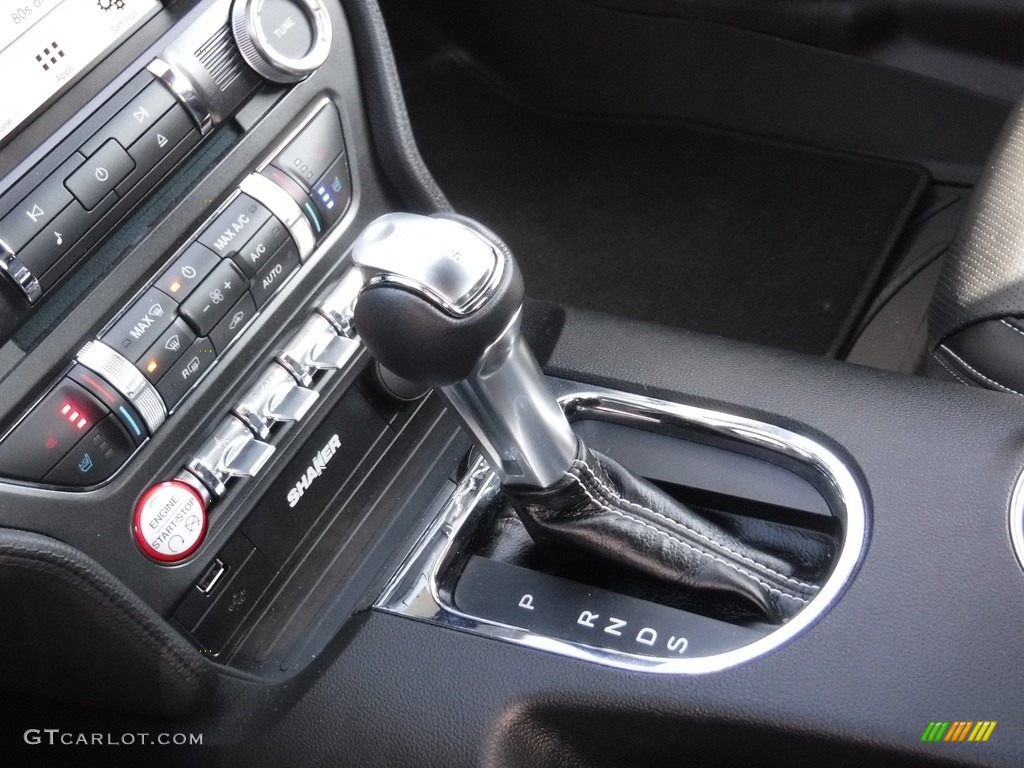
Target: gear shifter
{"points": [[441, 305]]}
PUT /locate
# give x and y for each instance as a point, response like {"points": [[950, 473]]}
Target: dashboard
{"points": [[226, 537]]}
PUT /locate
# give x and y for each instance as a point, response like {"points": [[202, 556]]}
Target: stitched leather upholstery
{"points": [[603, 509], [976, 323]]}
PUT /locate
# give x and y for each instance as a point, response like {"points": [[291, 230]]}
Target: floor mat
{"points": [[669, 223]]}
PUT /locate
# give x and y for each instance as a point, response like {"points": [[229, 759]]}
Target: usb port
{"points": [[212, 577]]}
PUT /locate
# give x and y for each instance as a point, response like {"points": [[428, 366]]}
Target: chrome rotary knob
{"points": [[282, 40]]}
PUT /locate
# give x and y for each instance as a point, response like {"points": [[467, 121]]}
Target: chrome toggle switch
{"points": [[274, 397], [339, 305], [231, 451], [316, 347]]}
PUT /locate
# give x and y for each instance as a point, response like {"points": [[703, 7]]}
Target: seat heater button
{"points": [[308, 156], [333, 192], [96, 457], [170, 521], [49, 432]]}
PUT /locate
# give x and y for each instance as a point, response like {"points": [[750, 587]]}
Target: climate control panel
{"points": [[124, 383]]}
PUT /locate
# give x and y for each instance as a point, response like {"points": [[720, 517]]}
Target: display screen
{"points": [[45, 44]]}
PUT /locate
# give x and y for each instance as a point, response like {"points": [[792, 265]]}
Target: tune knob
{"points": [[282, 40]]}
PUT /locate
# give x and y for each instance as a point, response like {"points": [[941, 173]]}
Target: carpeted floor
{"points": [[675, 224]]}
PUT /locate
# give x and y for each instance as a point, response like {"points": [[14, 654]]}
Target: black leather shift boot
{"points": [[601, 508]]}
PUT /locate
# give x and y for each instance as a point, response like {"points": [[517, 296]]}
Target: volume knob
{"points": [[282, 40]]}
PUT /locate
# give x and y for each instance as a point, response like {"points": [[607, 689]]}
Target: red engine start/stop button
{"points": [[170, 521]]}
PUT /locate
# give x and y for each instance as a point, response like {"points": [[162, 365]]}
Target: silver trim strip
{"points": [[1017, 518], [231, 451], [338, 306], [287, 211], [416, 590], [20, 274], [179, 84], [509, 410], [126, 379]]}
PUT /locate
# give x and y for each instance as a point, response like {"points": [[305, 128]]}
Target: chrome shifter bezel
{"points": [[418, 589]]}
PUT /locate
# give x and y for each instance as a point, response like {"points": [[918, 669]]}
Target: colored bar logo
{"points": [[958, 730]]}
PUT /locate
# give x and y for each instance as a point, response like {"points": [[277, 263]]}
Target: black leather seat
{"points": [[976, 322]]}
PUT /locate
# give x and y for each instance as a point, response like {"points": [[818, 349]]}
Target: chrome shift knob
{"points": [[441, 305]]}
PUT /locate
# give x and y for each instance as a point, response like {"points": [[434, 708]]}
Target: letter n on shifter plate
{"points": [[567, 610]]}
